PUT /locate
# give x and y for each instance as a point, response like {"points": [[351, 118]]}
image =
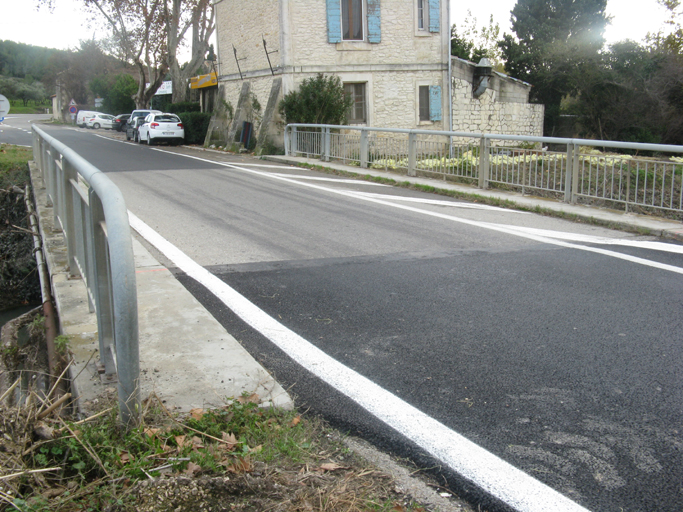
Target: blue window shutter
{"points": [[374, 22], [435, 103], [434, 16], [333, 21]]}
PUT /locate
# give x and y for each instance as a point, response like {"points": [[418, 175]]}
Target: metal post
{"points": [[327, 143], [69, 220], [288, 134], [575, 172], [412, 154], [294, 143], [568, 171], [484, 163], [364, 147]]}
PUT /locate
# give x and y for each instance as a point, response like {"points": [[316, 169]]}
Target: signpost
{"points": [[73, 108], [4, 107]]}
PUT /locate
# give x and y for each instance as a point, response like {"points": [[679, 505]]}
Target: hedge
{"points": [[196, 125]]}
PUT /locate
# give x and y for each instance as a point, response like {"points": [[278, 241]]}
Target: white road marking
{"points": [[336, 180], [495, 476], [501, 228], [457, 204]]}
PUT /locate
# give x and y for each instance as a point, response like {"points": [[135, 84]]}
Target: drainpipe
{"points": [[450, 72], [45, 290]]}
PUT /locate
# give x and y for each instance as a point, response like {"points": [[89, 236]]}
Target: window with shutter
{"points": [[353, 20], [435, 103], [434, 15]]}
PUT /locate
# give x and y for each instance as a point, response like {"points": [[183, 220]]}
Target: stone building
{"points": [[392, 57]]}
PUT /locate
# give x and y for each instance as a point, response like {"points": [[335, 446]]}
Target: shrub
{"points": [[319, 100], [196, 125], [184, 106]]}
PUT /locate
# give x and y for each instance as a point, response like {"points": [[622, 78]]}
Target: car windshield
{"points": [[167, 119]]}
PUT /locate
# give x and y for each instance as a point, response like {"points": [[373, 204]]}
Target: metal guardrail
{"points": [[518, 162], [92, 214]]}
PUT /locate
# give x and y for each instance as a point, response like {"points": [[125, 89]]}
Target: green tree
{"points": [[473, 43], [319, 100], [558, 41]]}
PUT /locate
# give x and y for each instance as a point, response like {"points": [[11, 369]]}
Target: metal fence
{"points": [[92, 214], [572, 170]]}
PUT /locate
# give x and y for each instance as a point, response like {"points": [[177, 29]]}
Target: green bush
{"points": [[319, 100], [184, 106], [196, 125]]}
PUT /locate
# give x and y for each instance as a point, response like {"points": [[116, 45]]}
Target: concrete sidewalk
{"points": [[186, 357], [657, 226]]}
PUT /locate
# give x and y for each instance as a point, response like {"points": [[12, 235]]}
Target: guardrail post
{"points": [[575, 172], [364, 147], [484, 163], [327, 142], [69, 221], [412, 154], [101, 284], [294, 144], [568, 174], [288, 134]]}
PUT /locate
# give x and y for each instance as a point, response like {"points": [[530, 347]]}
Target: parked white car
{"points": [[97, 121], [161, 127], [83, 116]]}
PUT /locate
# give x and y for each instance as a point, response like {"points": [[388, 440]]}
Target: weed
{"points": [[62, 343]]}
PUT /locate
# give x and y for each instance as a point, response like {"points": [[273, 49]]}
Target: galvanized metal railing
{"points": [[91, 211], [572, 170]]}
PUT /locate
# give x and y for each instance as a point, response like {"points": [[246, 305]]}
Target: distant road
{"points": [[554, 345], [16, 128]]}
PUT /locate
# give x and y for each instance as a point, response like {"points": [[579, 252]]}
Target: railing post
{"points": [[364, 147], [575, 172], [69, 221], [288, 134], [327, 143], [568, 173], [294, 145], [484, 163], [412, 154]]}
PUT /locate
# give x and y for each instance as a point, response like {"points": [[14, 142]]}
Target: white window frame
{"points": [[424, 31], [364, 22]]}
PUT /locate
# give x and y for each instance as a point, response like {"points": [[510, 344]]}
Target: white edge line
{"points": [[509, 230], [492, 474]]}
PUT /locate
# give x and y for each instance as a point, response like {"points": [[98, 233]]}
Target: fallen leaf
{"points": [[295, 421], [53, 492], [197, 414], [125, 457], [151, 432], [44, 431], [180, 441], [398, 508], [256, 449], [197, 443], [331, 466], [229, 441], [242, 465], [253, 398], [193, 469]]}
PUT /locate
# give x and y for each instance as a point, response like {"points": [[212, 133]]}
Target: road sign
{"points": [[73, 109], [4, 106], [73, 103]]}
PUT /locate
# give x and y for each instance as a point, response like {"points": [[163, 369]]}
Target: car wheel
{"points": [[137, 137], [149, 140], [96, 126], [127, 136]]}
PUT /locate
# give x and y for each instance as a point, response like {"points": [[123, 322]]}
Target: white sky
{"points": [[21, 22]]}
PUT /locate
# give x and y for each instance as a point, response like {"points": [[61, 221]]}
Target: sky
{"points": [[21, 22]]}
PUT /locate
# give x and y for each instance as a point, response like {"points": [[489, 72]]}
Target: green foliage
{"points": [[14, 165], [474, 43], [319, 100], [24, 90], [120, 97], [558, 42], [21, 60], [196, 125], [184, 106], [62, 343]]}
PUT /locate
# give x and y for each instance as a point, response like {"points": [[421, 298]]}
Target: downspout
{"points": [[450, 70], [45, 291]]}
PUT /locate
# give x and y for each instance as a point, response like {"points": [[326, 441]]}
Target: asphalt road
{"points": [[16, 128], [561, 357]]}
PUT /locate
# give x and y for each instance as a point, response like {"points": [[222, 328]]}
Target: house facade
{"points": [[391, 55]]}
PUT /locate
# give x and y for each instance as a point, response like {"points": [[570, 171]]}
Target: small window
{"points": [[422, 15], [424, 103], [357, 112], [352, 20]]}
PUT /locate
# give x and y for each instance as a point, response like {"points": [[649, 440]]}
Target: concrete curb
{"points": [[186, 357]]}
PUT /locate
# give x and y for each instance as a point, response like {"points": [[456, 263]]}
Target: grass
{"points": [[14, 165], [239, 457]]}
